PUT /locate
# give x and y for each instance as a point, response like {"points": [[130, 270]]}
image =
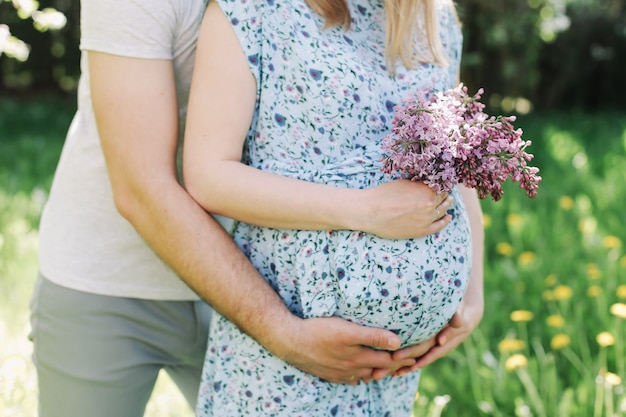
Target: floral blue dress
{"points": [[324, 102]]}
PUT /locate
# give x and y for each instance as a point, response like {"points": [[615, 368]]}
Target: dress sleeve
{"points": [[246, 18]]}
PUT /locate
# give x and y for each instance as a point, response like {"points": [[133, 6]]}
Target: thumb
{"points": [[378, 338]]}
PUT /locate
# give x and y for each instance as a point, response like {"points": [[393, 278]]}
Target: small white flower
{"points": [[16, 48], [441, 400], [49, 18], [4, 35], [25, 7]]}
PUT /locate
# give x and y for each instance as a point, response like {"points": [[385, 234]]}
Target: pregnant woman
{"points": [[290, 102]]}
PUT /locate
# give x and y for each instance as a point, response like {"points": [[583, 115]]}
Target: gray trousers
{"points": [[99, 356]]}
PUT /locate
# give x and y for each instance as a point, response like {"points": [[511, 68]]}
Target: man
{"points": [[126, 256]]}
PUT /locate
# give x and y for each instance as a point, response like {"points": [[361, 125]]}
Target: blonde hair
{"points": [[406, 21]]}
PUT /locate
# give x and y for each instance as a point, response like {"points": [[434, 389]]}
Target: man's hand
{"points": [[339, 351]]}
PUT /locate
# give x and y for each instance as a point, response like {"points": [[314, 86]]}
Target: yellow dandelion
{"points": [[548, 295], [611, 242], [622, 261], [621, 291], [612, 379], [555, 320], [560, 341], [593, 272], [551, 280], [605, 339], [504, 249], [514, 220], [566, 202], [594, 291], [563, 292], [526, 258], [521, 315], [619, 310], [516, 361], [486, 221], [510, 345]]}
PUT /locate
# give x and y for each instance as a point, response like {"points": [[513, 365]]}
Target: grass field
{"points": [[552, 343]]}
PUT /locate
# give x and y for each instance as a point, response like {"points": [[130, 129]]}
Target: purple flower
{"points": [[446, 139]]}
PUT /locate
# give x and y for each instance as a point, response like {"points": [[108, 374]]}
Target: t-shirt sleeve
{"points": [[130, 28], [246, 18]]}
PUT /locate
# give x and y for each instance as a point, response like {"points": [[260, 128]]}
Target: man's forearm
{"points": [[195, 246], [208, 260]]}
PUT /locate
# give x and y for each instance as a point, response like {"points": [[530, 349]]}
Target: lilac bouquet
{"points": [[447, 139]]}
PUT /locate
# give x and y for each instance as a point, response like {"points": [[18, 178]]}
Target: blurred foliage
{"points": [[46, 19], [40, 45], [546, 54], [555, 275], [527, 54]]}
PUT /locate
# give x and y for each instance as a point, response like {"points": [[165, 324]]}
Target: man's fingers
{"points": [[430, 357], [381, 373], [377, 338], [405, 359], [415, 351]]}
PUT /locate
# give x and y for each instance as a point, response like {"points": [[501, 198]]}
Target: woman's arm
{"points": [[221, 107]]}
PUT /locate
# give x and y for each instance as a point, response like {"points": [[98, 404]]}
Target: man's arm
{"points": [[136, 110]]}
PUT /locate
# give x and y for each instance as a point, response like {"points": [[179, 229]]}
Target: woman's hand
{"points": [[404, 209]]}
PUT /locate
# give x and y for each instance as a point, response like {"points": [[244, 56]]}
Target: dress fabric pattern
{"points": [[325, 101]]}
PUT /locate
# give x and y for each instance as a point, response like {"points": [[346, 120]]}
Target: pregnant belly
{"points": [[411, 287]]}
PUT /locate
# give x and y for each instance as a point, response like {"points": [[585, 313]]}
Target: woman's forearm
{"points": [[398, 209], [246, 194]]}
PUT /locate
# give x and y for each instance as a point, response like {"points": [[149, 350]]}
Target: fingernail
{"points": [[392, 343]]}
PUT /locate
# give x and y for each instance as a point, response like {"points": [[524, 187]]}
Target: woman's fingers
{"points": [[442, 208]]}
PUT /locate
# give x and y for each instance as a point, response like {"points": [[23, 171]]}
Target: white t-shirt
{"points": [[85, 244]]}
